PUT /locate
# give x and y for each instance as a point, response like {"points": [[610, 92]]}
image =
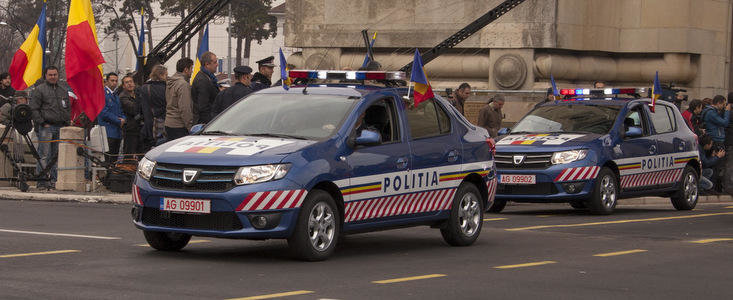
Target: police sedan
{"points": [[591, 152], [310, 163]]}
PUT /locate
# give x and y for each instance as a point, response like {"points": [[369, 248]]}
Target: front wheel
{"points": [[317, 229], [466, 217], [166, 241], [605, 193], [686, 196]]}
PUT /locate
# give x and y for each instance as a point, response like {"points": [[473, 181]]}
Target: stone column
{"points": [[71, 165]]}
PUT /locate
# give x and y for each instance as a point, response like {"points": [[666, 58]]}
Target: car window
{"points": [[636, 118], [423, 120], [663, 119], [380, 116], [569, 118], [443, 119]]}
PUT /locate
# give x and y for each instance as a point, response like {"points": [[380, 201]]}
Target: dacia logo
{"points": [[518, 159], [189, 176]]}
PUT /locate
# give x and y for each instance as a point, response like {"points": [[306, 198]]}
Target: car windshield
{"points": [[583, 118], [297, 116]]}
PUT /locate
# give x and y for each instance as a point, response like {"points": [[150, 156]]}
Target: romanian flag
{"points": [[422, 90], [554, 86], [284, 71], [141, 38], [83, 59], [656, 91], [203, 47], [366, 56], [27, 65]]}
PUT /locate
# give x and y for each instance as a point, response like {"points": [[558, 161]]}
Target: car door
{"points": [[633, 153], [436, 155], [377, 171], [669, 143]]}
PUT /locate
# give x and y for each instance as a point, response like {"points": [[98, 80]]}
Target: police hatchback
{"points": [[592, 152], [311, 163]]}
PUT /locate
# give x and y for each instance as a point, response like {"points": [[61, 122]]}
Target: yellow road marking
{"points": [[190, 242], [711, 241], [278, 295], [495, 219], [617, 222], [543, 216], [39, 253], [729, 206], [539, 263], [620, 253], [408, 278]]}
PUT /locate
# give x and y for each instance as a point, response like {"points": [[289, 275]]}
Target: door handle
{"points": [[401, 163], [652, 149], [452, 156]]}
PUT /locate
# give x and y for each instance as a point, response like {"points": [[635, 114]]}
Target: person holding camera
{"points": [[51, 111], [131, 108], [728, 163], [716, 118], [709, 162]]}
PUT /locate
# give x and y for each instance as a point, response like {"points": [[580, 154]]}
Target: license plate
{"points": [[518, 179], [186, 205]]}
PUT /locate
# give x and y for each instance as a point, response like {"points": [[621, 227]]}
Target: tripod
{"points": [[20, 120]]}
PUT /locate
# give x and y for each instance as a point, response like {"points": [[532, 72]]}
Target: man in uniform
{"points": [[263, 78], [243, 77]]}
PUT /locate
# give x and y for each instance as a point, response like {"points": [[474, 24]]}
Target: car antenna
{"points": [[305, 89]]}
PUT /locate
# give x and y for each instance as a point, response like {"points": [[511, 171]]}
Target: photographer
{"points": [[728, 163], [709, 162]]}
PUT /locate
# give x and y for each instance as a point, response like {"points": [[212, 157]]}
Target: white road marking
{"points": [[61, 234]]}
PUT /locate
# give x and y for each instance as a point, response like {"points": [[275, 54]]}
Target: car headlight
{"points": [[565, 157], [263, 173], [145, 168]]}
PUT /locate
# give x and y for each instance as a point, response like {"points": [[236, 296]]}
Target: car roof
{"points": [[603, 102]]}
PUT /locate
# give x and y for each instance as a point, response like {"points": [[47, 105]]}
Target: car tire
{"points": [[497, 206], [605, 193], [466, 217], [317, 229], [579, 204], [687, 194], [166, 241]]}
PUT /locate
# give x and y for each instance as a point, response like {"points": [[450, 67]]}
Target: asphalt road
{"points": [[529, 252]]}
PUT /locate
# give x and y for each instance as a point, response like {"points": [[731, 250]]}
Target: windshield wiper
{"points": [[521, 132], [216, 132], [277, 135]]}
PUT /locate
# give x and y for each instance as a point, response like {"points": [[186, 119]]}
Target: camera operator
{"points": [[5, 89], [21, 97], [710, 158]]}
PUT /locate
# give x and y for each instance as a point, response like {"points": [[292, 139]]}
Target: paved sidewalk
{"points": [[11, 193]]}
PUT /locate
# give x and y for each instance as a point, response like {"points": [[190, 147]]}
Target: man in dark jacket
{"points": [[243, 75], [460, 96], [112, 117], [51, 111], [131, 108], [152, 105], [5, 89], [263, 78], [204, 88], [490, 116]]}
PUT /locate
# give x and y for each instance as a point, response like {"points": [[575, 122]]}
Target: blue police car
{"points": [[311, 163], [590, 152]]}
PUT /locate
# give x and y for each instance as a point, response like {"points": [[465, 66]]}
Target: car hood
{"points": [[544, 142], [226, 150]]}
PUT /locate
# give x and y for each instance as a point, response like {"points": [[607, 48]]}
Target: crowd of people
{"points": [[711, 121], [135, 118]]}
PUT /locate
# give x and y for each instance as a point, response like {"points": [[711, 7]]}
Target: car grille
{"points": [[542, 188], [211, 179], [220, 221], [534, 160]]}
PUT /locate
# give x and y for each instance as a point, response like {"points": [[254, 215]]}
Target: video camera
{"points": [[20, 115]]}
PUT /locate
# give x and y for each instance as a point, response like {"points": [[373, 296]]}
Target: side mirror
{"points": [[196, 128], [368, 138], [504, 131], [633, 132]]}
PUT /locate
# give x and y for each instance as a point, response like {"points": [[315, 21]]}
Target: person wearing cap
{"points": [[263, 78], [204, 88], [242, 88]]}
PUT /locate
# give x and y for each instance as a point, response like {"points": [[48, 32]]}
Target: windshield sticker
{"points": [[538, 139], [226, 145]]}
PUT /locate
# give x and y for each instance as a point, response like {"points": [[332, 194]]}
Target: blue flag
{"points": [[656, 91], [554, 86], [284, 71], [141, 38], [366, 56]]}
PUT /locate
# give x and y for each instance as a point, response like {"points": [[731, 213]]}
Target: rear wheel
{"points": [[466, 217], [317, 229], [605, 193], [686, 196], [166, 241]]}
